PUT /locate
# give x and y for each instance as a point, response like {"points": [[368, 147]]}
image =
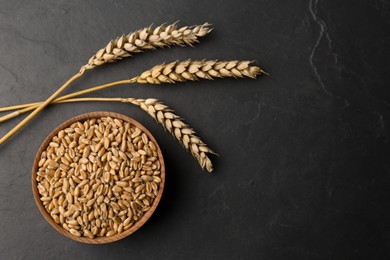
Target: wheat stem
{"points": [[170, 73], [75, 94], [15, 107], [39, 108], [71, 95]]}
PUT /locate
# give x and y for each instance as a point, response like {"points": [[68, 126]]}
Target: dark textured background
{"points": [[304, 167]]}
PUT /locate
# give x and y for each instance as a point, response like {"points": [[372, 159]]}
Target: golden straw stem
{"points": [[27, 107], [70, 100], [39, 108], [10, 108]]}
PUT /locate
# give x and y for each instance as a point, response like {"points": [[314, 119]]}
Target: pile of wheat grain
{"points": [[99, 177]]}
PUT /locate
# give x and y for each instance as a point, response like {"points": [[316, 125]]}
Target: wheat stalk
{"points": [[170, 121], [188, 70], [147, 39], [166, 73], [124, 46], [39, 108]]}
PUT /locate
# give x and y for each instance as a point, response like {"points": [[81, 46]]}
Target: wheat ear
{"points": [[180, 130], [188, 70], [147, 39]]}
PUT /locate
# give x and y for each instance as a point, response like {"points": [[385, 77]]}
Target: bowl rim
{"points": [[97, 240]]}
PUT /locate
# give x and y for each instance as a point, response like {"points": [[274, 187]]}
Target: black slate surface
{"points": [[304, 167]]}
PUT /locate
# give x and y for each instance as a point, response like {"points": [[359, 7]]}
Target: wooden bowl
{"points": [[96, 240]]}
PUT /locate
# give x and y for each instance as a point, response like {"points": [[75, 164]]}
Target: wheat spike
{"points": [[147, 39], [180, 130], [188, 70]]}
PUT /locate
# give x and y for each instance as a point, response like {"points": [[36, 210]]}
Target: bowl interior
{"points": [[97, 240]]}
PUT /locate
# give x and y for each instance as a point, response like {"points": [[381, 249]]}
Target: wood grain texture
{"points": [[97, 240]]}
